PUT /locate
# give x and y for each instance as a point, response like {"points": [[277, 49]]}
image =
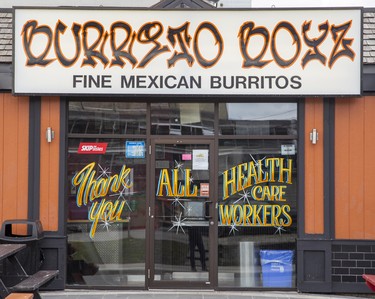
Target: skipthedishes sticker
{"points": [[92, 148]]}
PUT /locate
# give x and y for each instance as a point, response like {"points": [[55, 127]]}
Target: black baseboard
{"points": [[54, 251], [334, 266]]}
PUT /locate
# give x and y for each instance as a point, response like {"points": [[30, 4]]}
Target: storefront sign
{"points": [[246, 52]]}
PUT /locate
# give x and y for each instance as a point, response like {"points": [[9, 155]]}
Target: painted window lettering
{"points": [[95, 190], [185, 44], [263, 201]]}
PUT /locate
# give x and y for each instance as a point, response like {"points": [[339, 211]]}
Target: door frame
{"points": [[213, 228]]}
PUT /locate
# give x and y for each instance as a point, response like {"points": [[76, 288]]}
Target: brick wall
{"points": [[350, 261]]}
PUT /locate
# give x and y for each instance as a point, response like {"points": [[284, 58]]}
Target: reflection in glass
{"points": [[258, 118], [257, 208], [181, 234], [182, 119], [107, 118], [106, 217]]}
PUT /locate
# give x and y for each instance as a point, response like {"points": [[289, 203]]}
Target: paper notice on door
{"points": [[204, 189], [200, 159]]}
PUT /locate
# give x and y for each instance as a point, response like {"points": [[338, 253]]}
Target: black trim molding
{"points": [[54, 254], [329, 167], [62, 167], [313, 267], [301, 168]]}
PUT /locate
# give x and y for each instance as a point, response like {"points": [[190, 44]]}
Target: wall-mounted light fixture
{"points": [[50, 134], [314, 136]]}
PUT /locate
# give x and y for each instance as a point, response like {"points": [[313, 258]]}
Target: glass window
{"points": [[182, 119], [257, 213], [107, 118], [106, 212], [182, 203], [258, 118], [257, 194]]}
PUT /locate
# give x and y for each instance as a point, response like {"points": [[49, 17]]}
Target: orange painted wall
{"points": [[355, 168], [14, 151], [314, 203], [49, 163]]}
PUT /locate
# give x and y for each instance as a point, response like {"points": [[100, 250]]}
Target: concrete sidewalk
{"points": [[170, 294]]}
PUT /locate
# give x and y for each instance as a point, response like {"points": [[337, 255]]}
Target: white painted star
{"points": [[233, 229], [121, 195], [245, 196], [106, 222], [256, 162], [176, 201], [104, 172], [178, 223], [189, 210], [126, 184], [279, 229], [178, 165]]}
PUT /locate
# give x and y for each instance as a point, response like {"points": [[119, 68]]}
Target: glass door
{"points": [[181, 213]]}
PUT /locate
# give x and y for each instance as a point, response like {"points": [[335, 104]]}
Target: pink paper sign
{"points": [[186, 157]]}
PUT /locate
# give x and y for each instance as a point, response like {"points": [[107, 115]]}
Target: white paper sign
{"points": [[200, 159], [288, 149]]}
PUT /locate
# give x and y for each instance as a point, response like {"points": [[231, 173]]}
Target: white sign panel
{"points": [[200, 160], [288, 149], [227, 52]]}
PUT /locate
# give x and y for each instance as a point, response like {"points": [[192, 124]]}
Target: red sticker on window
{"points": [[92, 148]]}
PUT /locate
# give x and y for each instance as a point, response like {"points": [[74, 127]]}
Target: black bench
{"points": [[33, 282]]}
